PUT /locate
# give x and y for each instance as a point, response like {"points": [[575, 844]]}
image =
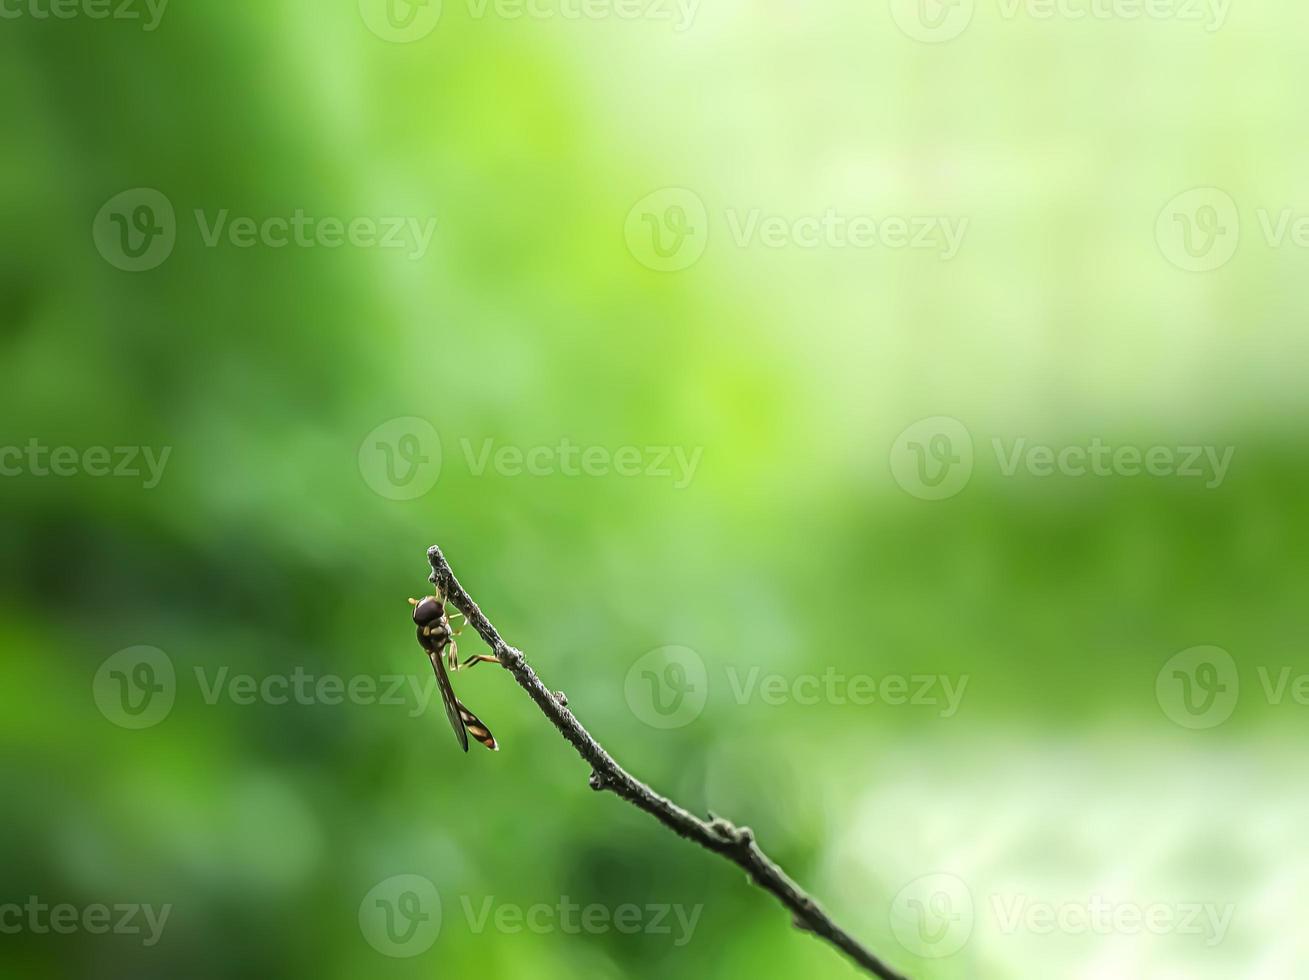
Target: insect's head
{"points": [[428, 612]]}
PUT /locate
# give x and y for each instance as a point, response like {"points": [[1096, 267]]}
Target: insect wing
{"points": [[453, 709]]}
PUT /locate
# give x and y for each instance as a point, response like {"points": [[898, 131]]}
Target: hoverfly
{"points": [[438, 640]]}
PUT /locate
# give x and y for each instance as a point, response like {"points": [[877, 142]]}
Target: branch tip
{"points": [[736, 844]]}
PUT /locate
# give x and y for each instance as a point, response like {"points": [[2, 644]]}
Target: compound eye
{"points": [[428, 612]]}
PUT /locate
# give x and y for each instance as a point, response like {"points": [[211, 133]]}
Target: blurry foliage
{"points": [[263, 550]]}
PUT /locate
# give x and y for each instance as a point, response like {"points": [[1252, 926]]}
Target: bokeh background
{"points": [[712, 233]]}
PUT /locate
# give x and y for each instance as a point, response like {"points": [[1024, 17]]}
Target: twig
{"points": [[737, 844]]}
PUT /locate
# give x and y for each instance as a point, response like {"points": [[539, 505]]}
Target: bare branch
{"points": [[737, 844]]}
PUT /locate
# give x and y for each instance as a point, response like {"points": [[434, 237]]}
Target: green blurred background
{"points": [[740, 631]]}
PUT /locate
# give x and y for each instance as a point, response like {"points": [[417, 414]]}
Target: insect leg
{"points": [[479, 658]]}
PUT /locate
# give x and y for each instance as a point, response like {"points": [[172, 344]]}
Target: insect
{"points": [[437, 638]]}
